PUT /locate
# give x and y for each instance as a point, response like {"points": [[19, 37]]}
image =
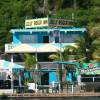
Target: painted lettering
{"points": [[45, 22], [38, 22]]}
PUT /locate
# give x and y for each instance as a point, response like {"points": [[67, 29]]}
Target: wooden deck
{"points": [[46, 95]]}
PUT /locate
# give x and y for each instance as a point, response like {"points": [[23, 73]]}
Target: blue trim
{"points": [[16, 39], [69, 77], [66, 62], [44, 70], [48, 29]]}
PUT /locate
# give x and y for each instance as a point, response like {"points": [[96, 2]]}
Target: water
{"points": [[75, 98]]}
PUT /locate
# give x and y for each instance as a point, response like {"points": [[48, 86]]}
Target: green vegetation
{"points": [[13, 13], [62, 69]]}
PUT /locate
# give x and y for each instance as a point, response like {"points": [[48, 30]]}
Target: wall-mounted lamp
{"points": [[65, 32], [30, 32]]}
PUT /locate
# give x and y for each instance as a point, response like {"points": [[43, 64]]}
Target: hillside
{"points": [[14, 12]]}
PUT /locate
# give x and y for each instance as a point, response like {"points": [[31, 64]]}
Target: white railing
{"points": [[92, 79]]}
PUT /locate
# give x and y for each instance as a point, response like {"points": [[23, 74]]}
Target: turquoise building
{"points": [[42, 37]]}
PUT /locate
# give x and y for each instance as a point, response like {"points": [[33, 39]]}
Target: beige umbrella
{"points": [[47, 48], [23, 48]]}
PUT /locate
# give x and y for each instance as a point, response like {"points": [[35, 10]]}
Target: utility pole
{"points": [[45, 7], [74, 5], [61, 67]]}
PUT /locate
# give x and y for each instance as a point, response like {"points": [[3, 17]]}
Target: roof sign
{"points": [[47, 22], [33, 23]]}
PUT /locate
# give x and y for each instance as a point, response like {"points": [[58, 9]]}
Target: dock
{"points": [[54, 95]]}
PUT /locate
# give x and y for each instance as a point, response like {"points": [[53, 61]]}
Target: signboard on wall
{"points": [[90, 69]]}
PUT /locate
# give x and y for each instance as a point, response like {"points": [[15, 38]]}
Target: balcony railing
{"points": [[90, 79], [43, 65]]}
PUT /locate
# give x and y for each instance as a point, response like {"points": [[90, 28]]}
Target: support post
{"points": [[11, 72], [72, 88]]}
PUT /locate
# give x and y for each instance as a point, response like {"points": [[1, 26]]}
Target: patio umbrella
{"points": [[6, 66], [9, 65]]}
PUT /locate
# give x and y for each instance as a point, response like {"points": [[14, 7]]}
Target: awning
{"points": [[36, 48]]}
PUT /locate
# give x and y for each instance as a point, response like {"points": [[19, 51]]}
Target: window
{"points": [[44, 57], [57, 40], [28, 38]]}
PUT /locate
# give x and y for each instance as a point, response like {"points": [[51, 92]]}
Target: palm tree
{"points": [[81, 47], [96, 55], [66, 55], [30, 61], [94, 32], [71, 53], [95, 37], [89, 44], [30, 66], [57, 57]]}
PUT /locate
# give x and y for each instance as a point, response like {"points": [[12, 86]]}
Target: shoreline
{"points": [[53, 95]]}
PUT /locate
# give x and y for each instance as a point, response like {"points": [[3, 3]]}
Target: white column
{"points": [[36, 90], [72, 88], [36, 59], [79, 80], [19, 80], [59, 88], [93, 79], [12, 58]]}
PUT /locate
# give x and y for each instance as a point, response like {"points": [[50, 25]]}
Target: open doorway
{"points": [[45, 39], [45, 79]]}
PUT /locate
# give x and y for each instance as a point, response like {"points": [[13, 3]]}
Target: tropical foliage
{"points": [[89, 45], [30, 67], [67, 55], [30, 62], [14, 12]]}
